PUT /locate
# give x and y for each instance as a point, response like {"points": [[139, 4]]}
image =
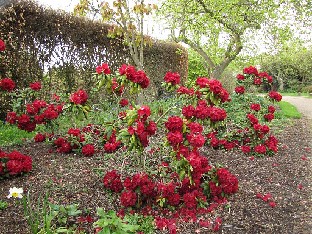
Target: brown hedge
{"points": [[43, 41], [40, 39]]}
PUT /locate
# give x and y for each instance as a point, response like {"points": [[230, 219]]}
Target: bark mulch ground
{"points": [[286, 177]]}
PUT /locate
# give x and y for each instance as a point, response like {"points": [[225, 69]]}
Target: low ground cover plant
{"points": [[183, 184]]}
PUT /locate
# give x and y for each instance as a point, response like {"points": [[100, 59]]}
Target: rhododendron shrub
{"points": [[36, 112], [14, 163], [251, 133]]}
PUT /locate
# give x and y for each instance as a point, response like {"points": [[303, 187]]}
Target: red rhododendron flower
{"points": [[144, 112], [175, 138], [112, 181], [214, 189], [14, 167], [39, 137], [251, 70], [266, 76], [217, 114], [260, 149], [88, 150], [65, 148], [79, 97], [111, 147], [202, 111], [188, 111], [151, 128], [265, 129], [128, 198], [103, 69], [174, 123], [195, 127], [124, 102], [50, 113], [35, 86], [228, 182], [202, 82], [7, 84], [245, 149], [257, 81], [174, 200], [189, 200], [253, 119], [271, 109], [74, 131], [185, 90], [240, 89], [2, 45], [269, 117], [11, 117], [255, 107], [196, 140], [272, 204], [240, 77], [23, 119], [275, 96], [217, 224], [172, 78]]}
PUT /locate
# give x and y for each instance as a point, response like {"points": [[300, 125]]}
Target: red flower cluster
{"points": [[36, 86], [251, 71], [255, 107], [124, 102], [240, 89], [39, 137], [79, 97], [111, 144], [88, 150], [172, 78], [135, 76], [2, 45], [14, 163], [103, 69], [112, 181], [7, 84], [37, 112], [275, 96], [141, 128], [251, 76]]}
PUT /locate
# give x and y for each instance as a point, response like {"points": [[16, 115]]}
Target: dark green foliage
{"points": [[291, 69]]}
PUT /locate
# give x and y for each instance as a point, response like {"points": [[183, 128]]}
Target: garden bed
{"points": [[72, 179]]}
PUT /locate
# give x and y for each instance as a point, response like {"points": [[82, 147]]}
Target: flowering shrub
{"points": [[188, 185], [14, 163]]}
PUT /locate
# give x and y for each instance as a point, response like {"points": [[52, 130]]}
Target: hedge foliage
{"points": [[64, 49]]}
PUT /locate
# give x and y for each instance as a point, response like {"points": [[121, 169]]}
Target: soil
{"points": [[286, 176]]}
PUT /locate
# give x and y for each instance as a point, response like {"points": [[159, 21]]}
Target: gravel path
{"points": [[303, 104]]}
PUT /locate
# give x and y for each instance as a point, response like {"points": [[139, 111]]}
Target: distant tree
{"points": [[218, 30], [291, 67], [127, 19]]}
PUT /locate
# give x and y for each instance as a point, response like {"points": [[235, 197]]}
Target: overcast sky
{"points": [[151, 28]]}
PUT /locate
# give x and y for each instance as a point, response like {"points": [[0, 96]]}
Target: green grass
{"points": [[289, 110], [11, 135], [297, 94]]}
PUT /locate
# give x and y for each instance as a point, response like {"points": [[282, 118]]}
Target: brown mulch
{"points": [[286, 176]]}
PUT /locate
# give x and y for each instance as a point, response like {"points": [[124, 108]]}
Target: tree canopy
{"points": [[218, 30]]}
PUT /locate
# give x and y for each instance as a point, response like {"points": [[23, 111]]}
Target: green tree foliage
{"points": [[292, 67], [218, 30]]}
